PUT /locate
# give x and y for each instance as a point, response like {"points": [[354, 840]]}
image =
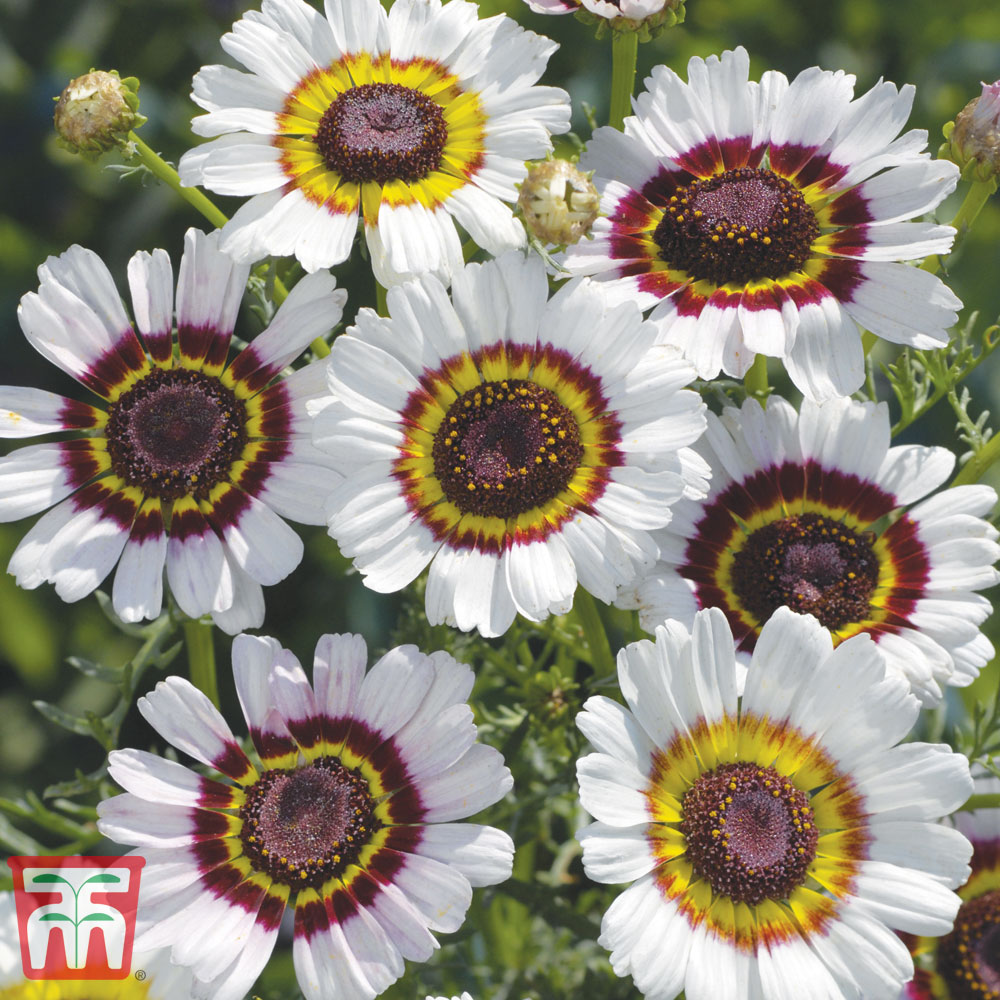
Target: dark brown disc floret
{"points": [[176, 432], [382, 132], [742, 225], [305, 826], [813, 564], [750, 832], [505, 448], [968, 959]]}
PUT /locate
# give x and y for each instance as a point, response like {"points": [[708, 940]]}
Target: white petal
{"points": [[247, 608], [338, 670], [483, 854], [199, 574], [25, 412], [440, 892], [903, 304], [486, 219], [910, 472], [614, 854], [613, 730], [826, 359], [479, 779], [612, 791], [259, 541], [921, 781], [138, 587], [468, 589], [185, 717], [541, 577], [409, 674]]}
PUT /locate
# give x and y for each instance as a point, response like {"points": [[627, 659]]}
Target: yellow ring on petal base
{"points": [[512, 371], [824, 806], [306, 168]]}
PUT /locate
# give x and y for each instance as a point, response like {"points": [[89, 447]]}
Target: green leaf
{"points": [[48, 877], [96, 916], [79, 785], [74, 723], [16, 841], [110, 675], [48, 917], [32, 809]]}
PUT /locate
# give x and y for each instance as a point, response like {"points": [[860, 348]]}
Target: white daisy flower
{"points": [[815, 511], [772, 841], [517, 445], [415, 120], [154, 976], [190, 463], [348, 817], [771, 218], [965, 964]]}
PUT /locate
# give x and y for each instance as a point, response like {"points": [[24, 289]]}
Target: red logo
{"points": [[76, 915]]}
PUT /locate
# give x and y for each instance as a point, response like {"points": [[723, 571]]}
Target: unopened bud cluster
{"points": [[647, 18], [974, 136], [558, 202], [96, 112]]}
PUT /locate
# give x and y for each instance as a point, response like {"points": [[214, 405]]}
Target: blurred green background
{"points": [[49, 200]]}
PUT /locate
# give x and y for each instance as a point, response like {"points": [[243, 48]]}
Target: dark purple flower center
{"points": [[749, 832], [505, 448], [968, 959], [739, 226], [177, 432], [305, 826], [382, 132], [811, 563]]}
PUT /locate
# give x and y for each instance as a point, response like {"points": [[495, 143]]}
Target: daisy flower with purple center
{"points": [[515, 444], [965, 963], [190, 463], [776, 841], [346, 814], [814, 510], [413, 120], [771, 218]]}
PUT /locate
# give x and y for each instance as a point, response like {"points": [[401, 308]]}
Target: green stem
{"points": [[193, 196], [973, 470], [589, 617], [381, 305], [166, 173], [201, 657], [978, 194], [755, 380], [624, 51]]}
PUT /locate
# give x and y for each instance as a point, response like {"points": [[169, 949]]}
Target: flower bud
{"points": [[96, 112], [559, 204], [974, 137], [647, 18]]}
